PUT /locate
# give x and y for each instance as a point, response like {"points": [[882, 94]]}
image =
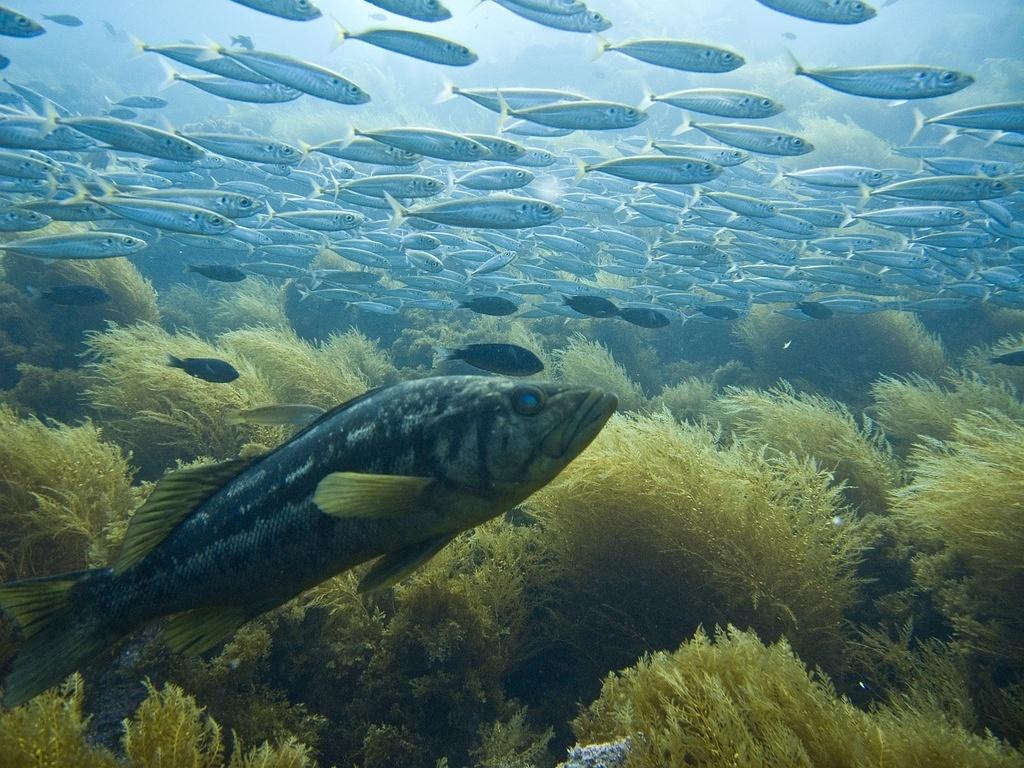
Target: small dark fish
{"points": [[719, 311], [206, 368], [644, 317], [506, 359], [490, 305], [122, 113], [64, 19], [223, 273], [76, 295], [592, 306], [4, 61], [142, 102], [243, 41], [814, 309], [789, 35], [1010, 358]]}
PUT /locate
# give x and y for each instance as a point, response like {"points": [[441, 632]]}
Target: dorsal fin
{"points": [[175, 497]]}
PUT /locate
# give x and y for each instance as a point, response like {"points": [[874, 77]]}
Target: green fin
{"points": [[56, 642], [352, 494], [37, 603], [199, 630], [394, 567], [175, 497]]}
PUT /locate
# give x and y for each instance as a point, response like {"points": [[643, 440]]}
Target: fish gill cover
{"points": [[254, 512]]}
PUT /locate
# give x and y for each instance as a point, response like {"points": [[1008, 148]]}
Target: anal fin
{"points": [[395, 566], [199, 630]]}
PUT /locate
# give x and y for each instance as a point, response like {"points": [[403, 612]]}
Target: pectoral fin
{"points": [[199, 630], [392, 568], [353, 494]]}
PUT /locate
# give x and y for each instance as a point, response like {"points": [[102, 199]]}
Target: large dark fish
{"points": [[394, 474]]}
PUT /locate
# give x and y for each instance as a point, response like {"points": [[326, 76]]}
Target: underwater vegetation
{"points": [[298, 371], [839, 357], [966, 496], [658, 528], [168, 730], [815, 427], [162, 414], [729, 700], [36, 331], [590, 363], [62, 489], [913, 407]]}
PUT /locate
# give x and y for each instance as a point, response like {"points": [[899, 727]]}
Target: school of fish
{"points": [[522, 222]]}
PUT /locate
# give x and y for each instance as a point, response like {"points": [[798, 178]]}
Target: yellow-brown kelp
{"points": [[590, 363], [436, 649], [162, 414], [168, 730], [815, 427], [326, 374], [61, 488], [733, 701], [979, 359], [966, 496], [913, 407], [36, 331], [657, 528], [840, 356]]}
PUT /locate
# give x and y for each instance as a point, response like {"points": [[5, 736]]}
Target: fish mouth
{"points": [[576, 434]]}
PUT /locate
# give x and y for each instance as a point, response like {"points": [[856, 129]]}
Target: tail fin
{"points": [[56, 642], [447, 92], [602, 46], [398, 213], [919, 122], [341, 36], [171, 75], [174, 362]]}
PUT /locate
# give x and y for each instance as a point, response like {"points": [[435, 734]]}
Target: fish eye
{"points": [[430, 3], [857, 7], [520, 175], [797, 141], [545, 208], [464, 50], [707, 167], [527, 401], [766, 102], [127, 240], [947, 77], [630, 112], [726, 56], [595, 16], [245, 202]]}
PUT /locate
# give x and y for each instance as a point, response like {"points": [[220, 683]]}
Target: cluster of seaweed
{"points": [[834, 490]]}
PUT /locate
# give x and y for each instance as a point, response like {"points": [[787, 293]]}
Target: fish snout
{"points": [[594, 408]]}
